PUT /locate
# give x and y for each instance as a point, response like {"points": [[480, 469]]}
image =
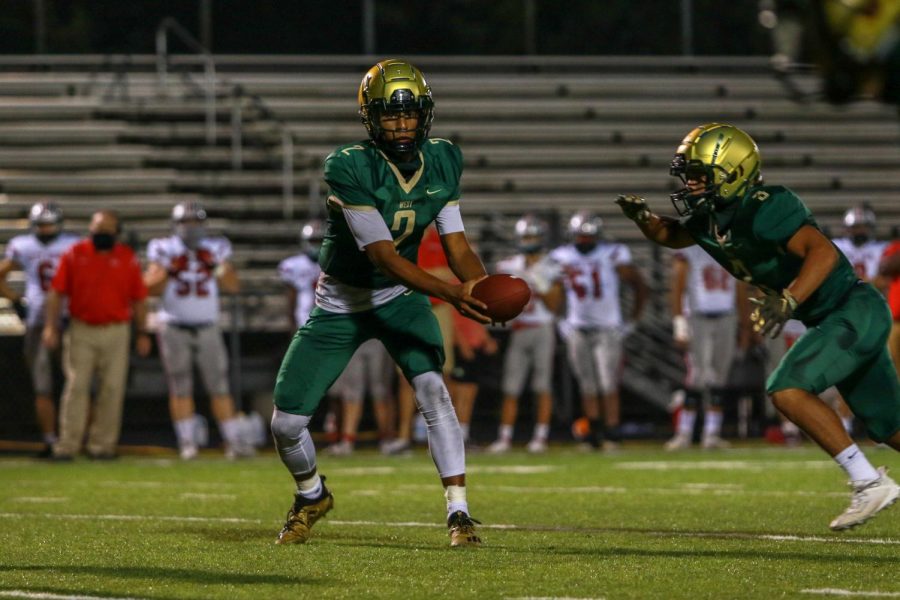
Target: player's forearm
{"points": [[818, 264], [466, 265], [398, 268], [51, 309], [665, 231], [155, 279], [139, 308], [5, 291]]}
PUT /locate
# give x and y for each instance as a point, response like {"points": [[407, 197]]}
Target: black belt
{"points": [[192, 327], [715, 315]]}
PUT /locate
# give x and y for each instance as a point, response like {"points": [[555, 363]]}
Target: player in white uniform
{"points": [[858, 245], [533, 338], [864, 253], [37, 255], [593, 327], [300, 272], [187, 269], [370, 366], [705, 326]]}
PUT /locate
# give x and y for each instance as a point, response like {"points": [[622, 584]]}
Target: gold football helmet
{"points": [[395, 87], [725, 156]]}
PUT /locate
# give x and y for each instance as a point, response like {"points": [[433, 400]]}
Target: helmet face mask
{"points": [[531, 234], [859, 223], [586, 230], [717, 164], [189, 223], [392, 94], [45, 219]]}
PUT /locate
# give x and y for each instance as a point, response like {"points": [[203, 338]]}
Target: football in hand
{"points": [[505, 296]]}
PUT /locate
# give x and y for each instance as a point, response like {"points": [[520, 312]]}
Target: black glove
{"points": [[21, 309], [772, 312], [634, 207]]}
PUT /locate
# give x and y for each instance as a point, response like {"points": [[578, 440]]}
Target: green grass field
{"points": [[745, 523]]}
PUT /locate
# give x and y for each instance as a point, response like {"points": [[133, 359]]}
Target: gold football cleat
{"points": [[300, 519], [462, 530]]}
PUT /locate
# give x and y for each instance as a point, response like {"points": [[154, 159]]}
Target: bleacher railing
{"points": [[238, 98], [166, 26]]}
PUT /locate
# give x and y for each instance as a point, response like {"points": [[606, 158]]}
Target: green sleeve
{"points": [[342, 174], [780, 214]]}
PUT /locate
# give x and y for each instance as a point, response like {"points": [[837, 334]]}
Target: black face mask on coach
{"points": [[103, 241]]}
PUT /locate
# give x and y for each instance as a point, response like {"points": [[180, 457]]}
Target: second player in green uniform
{"points": [[767, 237]]}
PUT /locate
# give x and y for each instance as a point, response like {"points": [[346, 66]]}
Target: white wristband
{"points": [[680, 328]]}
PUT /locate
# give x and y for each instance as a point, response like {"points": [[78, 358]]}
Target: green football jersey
{"points": [[360, 177], [754, 248]]}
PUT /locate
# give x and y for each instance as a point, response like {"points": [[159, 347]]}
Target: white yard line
{"points": [[731, 465], [554, 598], [851, 593], [11, 515], [191, 496], [49, 596], [39, 499]]}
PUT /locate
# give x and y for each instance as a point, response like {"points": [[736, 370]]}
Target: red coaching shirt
{"points": [[893, 295], [432, 258], [100, 285]]}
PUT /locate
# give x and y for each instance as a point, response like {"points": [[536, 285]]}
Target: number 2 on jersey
{"points": [[405, 222]]}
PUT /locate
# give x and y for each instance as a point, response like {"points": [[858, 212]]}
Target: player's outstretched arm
{"points": [[663, 230], [384, 256]]}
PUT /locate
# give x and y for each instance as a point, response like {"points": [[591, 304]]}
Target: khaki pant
{"points": [[90, 350]]}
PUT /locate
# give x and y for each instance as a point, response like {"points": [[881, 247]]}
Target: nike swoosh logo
{"points": [[432, 192]]}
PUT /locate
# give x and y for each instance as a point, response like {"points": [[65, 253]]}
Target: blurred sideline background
{"points": [[139, 105]]}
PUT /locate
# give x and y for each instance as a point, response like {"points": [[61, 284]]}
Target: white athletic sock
{"points": [[456, 499], [231, 431], [541, 431], [464, 427], [712, 424], [686, 422], [184, 431], [505, 433], [310, 488], [855, 463]]}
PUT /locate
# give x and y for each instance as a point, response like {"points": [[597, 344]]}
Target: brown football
{"points": [[505, 296]]}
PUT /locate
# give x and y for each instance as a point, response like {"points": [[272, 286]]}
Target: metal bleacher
{"points": [[548, 134]]}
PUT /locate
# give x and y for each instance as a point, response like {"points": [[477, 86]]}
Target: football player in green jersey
{"points": [[383, 193], [765, 235]]}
